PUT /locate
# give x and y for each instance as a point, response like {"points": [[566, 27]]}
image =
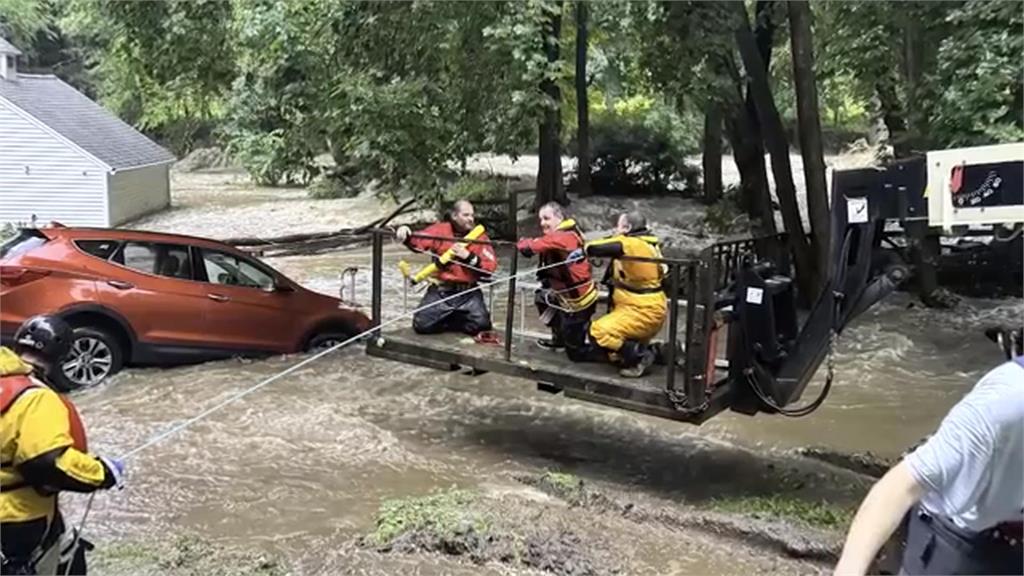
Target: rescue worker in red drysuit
{"points": [[568, 296], [43, 451], [473, 262]]}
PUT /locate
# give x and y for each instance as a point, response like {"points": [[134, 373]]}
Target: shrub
{"points": [[639, 148]]}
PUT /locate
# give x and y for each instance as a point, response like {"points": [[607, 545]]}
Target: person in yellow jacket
{"points": [[638, 301], [43, 451]]}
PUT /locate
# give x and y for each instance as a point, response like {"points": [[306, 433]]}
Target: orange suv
{"points": [[150, 298]]}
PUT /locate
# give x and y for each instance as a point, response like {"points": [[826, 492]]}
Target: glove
{"points": [[116, 468], [524, 246], [576, 255]]}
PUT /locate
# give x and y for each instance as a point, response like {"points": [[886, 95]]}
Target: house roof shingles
{"points": [[82, 121]]}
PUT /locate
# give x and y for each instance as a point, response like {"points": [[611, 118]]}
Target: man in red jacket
{"points": [[466, 312], [567, 297]]}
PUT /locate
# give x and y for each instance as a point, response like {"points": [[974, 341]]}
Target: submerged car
{"points": [[145, 298]]}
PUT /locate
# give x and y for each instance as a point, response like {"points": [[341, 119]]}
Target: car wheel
{"points": [[322, 342], [94, 356]]}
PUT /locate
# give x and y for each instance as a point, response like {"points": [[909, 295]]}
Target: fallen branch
{"points": [[255, 241]]}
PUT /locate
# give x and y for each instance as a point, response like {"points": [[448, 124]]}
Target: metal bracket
{"points": [[351, 272]]}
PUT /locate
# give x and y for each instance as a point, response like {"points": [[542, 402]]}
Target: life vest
{"points": [[12, 387], [572, 281], [446, 256], [453, 272], [636, 276]]}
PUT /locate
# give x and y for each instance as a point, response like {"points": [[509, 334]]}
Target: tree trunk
{"points": [[892, 117], [748, 153], [917, 125], [712, 156], [778, 146], [809, 128], [760, 206], [549, 175], [582, 108]]}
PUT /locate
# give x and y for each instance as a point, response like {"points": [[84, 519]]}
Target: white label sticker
{"points": [[856, 210], [755, 295]]}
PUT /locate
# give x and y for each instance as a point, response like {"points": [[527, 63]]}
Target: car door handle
{"points": [[121, 284], [218, 297]]}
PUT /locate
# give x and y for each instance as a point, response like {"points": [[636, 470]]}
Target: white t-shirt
{"points": [[973, 467]]}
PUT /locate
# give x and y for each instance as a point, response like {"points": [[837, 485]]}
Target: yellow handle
{"points": [[432, 268]]}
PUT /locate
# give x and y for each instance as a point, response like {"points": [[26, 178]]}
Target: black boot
{"points": [[636, 357], [661, 350], [553, 343]]}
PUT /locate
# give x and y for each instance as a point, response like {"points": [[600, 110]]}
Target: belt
{"points": [[455, 286], [650, 290], [1005, 533], [1009, 532]]}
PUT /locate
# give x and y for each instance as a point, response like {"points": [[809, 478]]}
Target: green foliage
{"points": [[818, 514], [22, 20], [442, 514], [725, 216], [640, 147], [980, 81], [475, 188], [163, 67], [566, 486], [950, 69]]}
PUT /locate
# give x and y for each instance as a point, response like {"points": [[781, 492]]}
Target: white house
{"points": [[63, 157]]}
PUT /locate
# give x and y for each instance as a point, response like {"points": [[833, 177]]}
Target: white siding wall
{"points": [[137, 192], [44, 176]]}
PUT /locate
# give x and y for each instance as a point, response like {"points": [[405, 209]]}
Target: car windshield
{"points": [[25, 240]]}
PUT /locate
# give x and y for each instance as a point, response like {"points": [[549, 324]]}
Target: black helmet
{"points": [[43, 341]]}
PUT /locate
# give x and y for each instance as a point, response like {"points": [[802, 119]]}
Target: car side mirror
{"points": [[280, 286]]}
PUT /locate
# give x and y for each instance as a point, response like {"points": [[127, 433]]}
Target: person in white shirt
{"points": [[964, 488]]}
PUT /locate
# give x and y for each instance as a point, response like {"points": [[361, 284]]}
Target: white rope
{"points": [[235, 397]]}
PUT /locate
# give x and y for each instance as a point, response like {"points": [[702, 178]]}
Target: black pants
{"points": [[567, 328], [466, 312], [936, 546], [22, 541]]}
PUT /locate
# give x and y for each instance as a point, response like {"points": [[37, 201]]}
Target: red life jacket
{"points": [[573, 280], [12, 387], [455, 273]]}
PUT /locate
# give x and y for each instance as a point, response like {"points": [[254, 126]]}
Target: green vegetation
{"points": [[185, 555], [401, 94], [818, 514], [566, 486], [442, 515]]}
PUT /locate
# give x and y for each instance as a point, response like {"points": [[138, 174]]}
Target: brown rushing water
{"points": [[300, 467]]}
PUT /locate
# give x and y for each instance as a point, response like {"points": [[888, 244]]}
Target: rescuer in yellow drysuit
{"points": [[638, 301], [43, 451]]}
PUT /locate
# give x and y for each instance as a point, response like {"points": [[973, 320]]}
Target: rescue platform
{"points": [[551, 369]]}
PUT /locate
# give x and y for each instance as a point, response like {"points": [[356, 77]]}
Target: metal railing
{"points": [[693, 385]]}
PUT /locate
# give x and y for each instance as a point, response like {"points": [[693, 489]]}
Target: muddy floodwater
{"points": [[298, 470]]}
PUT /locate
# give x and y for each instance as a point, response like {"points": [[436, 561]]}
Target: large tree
{"points": [[808, 273], [549, 175], [809, 129], [582, 102]]}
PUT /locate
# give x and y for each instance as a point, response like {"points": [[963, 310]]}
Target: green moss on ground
{"points": [[817, 514], [441, 514]]}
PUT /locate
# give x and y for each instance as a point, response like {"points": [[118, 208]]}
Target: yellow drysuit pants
{"points": [[633, 317]]}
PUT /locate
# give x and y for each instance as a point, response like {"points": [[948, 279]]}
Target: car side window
{"points": [[101, 249], [166, 260], [228, 269]]}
